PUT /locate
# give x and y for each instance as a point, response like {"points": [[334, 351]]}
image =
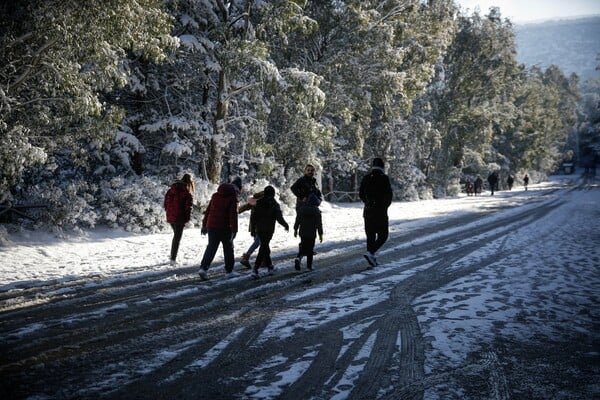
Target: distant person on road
{"points": [[376, 194], [526, 181], [469, 188], [305, 185], [493, 181], [308, 224], [266, 212], [178, 207], [478, 185], [509, 181], [256, 242], [220, 222]]}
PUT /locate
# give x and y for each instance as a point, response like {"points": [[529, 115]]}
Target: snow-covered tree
{"points": [[586, 143], [479, 71], [374, 57], [545, 113], [60, 59]]}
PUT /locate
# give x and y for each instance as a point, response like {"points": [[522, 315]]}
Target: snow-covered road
{"points": [[487, 297]]}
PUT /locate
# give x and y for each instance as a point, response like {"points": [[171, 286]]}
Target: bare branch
{"points": [[36, 58]]}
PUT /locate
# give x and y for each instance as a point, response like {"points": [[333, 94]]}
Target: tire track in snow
{"points": [[119, 333]]}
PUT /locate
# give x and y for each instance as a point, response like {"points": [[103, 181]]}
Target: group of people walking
{"points": [[475, 188], [220, 220]]}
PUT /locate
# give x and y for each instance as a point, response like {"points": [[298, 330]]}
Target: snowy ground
{"points": [[31, 258], [545, 284]]}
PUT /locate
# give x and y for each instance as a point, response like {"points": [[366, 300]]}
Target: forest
{"points": [[104, 103]]}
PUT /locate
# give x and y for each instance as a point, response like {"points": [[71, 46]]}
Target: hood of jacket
{"points": [[226, 189]]}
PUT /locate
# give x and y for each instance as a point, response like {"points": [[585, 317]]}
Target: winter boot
{"points": [[246, 260]]}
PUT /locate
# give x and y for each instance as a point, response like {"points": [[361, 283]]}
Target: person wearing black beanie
{"points": [[376, 193]]}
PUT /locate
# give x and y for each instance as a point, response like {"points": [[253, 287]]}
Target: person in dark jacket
{"points": [[526, 181], [493, 181], [308, 223], [509, 181], [304, 186], [220, 222], [250, 206], [478, 185], [376, 193], [178, 207], [266, 212]]}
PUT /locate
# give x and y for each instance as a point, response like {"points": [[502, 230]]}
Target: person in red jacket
{"points": [[178, 205], [220, 222]]}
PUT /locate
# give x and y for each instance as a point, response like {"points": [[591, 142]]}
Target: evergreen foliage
{"points": [[104, 103]]}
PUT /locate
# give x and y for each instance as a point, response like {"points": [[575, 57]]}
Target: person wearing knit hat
{"points": [[376, 193], [266, 212], [308, 224], [378, 162], [237, 181]]}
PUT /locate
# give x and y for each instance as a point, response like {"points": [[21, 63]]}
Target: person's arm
{"points": [[168, 198], [188, 207], [279, 217], [205, 218], [295, 188], [389, 194], [362, 191], [320, 227], [233, 215]]}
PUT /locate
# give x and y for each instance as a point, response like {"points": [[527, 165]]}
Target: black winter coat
{"points": [[376, 192], [309, 221], [303, 187], [264, 215]]}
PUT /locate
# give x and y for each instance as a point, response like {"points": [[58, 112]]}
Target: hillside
{"points": [[572, 44]]}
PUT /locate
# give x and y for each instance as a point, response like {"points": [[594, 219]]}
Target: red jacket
{"points": [[221, 212], [178, 204]]}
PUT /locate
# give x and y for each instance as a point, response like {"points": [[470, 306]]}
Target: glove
{"points": [[233, 236], [295, 232], [320, 238], [287, 228], [204, 231]]}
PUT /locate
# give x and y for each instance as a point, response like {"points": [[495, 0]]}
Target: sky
{"points": [[513, 286], [520, 11]]}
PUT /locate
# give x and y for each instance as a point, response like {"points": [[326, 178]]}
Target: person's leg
{"points": [[382, 233], [246, 256], [177, 234], [228, 254], [253, 246], [260, 257], [267, 251], [309, 248], [371, 233], [214, 239]]}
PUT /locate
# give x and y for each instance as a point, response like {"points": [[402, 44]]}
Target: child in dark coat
{"points": [[262, 221], [308, 223]]}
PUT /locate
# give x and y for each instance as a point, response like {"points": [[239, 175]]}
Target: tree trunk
{"points": [[215, 161]]}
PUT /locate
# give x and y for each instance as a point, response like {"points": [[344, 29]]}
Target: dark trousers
{"points": [[376, 229], [307, 248], [264, 251], [177, 234], [216, 237]]}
